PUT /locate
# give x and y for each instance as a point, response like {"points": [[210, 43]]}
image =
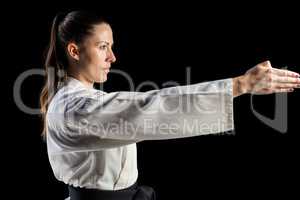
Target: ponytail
{"points": [[55, 66]]}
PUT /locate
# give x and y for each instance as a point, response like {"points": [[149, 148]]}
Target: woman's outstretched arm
{"points": [[105, 120]]}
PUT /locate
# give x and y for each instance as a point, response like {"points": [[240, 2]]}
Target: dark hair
{"points": [[68, 27]]}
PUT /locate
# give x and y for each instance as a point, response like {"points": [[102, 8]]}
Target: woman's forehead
{"points": [[102, 33]]}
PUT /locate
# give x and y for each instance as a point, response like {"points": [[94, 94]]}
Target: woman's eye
{"points": [[103, 47]]}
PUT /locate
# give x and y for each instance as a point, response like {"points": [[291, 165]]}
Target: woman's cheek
{"points": [[101, 57]]}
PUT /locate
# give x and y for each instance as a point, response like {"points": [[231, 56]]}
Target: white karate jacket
{"points": [[92, 135]]}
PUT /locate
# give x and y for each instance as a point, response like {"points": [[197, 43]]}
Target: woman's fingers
{"points": [[286, 85], [284, 72], [276, 90], [276, 84], [285, 79], [281, 90]]}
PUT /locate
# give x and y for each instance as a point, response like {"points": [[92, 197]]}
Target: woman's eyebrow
{"points": [[104, 42]]}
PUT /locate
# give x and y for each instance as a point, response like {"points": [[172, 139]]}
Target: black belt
{"points": [[134, 192]]}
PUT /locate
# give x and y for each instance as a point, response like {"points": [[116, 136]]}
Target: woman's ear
{"points": [[73, 51]]}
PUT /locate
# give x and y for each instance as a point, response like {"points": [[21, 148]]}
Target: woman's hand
{"points": [[263, 79]]}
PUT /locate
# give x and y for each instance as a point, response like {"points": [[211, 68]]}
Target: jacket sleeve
{"points": [[121, 118]]}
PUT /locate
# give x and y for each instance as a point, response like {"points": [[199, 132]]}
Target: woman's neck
{"points": [[84, 80]]}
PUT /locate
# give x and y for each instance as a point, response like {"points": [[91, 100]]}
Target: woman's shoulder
{"points": [[65, 96], [65, 99], [70, 95]]}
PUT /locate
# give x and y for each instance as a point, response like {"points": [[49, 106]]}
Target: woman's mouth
{"points": [[106, 70]]}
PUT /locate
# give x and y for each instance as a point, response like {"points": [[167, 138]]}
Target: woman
{"points": [[92, 135]]}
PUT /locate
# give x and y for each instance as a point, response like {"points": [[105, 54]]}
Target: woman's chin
{"points": [[101, 79]]}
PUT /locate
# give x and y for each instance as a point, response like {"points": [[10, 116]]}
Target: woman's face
{"points": [[96, 55]]}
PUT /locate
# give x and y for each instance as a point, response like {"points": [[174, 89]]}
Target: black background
{"points": [[157, 42]]}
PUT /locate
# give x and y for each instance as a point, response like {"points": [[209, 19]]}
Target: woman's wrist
{"points": [[239, 86]]}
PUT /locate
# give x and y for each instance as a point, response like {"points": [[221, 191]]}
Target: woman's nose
{"points": [[112, 57]]}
